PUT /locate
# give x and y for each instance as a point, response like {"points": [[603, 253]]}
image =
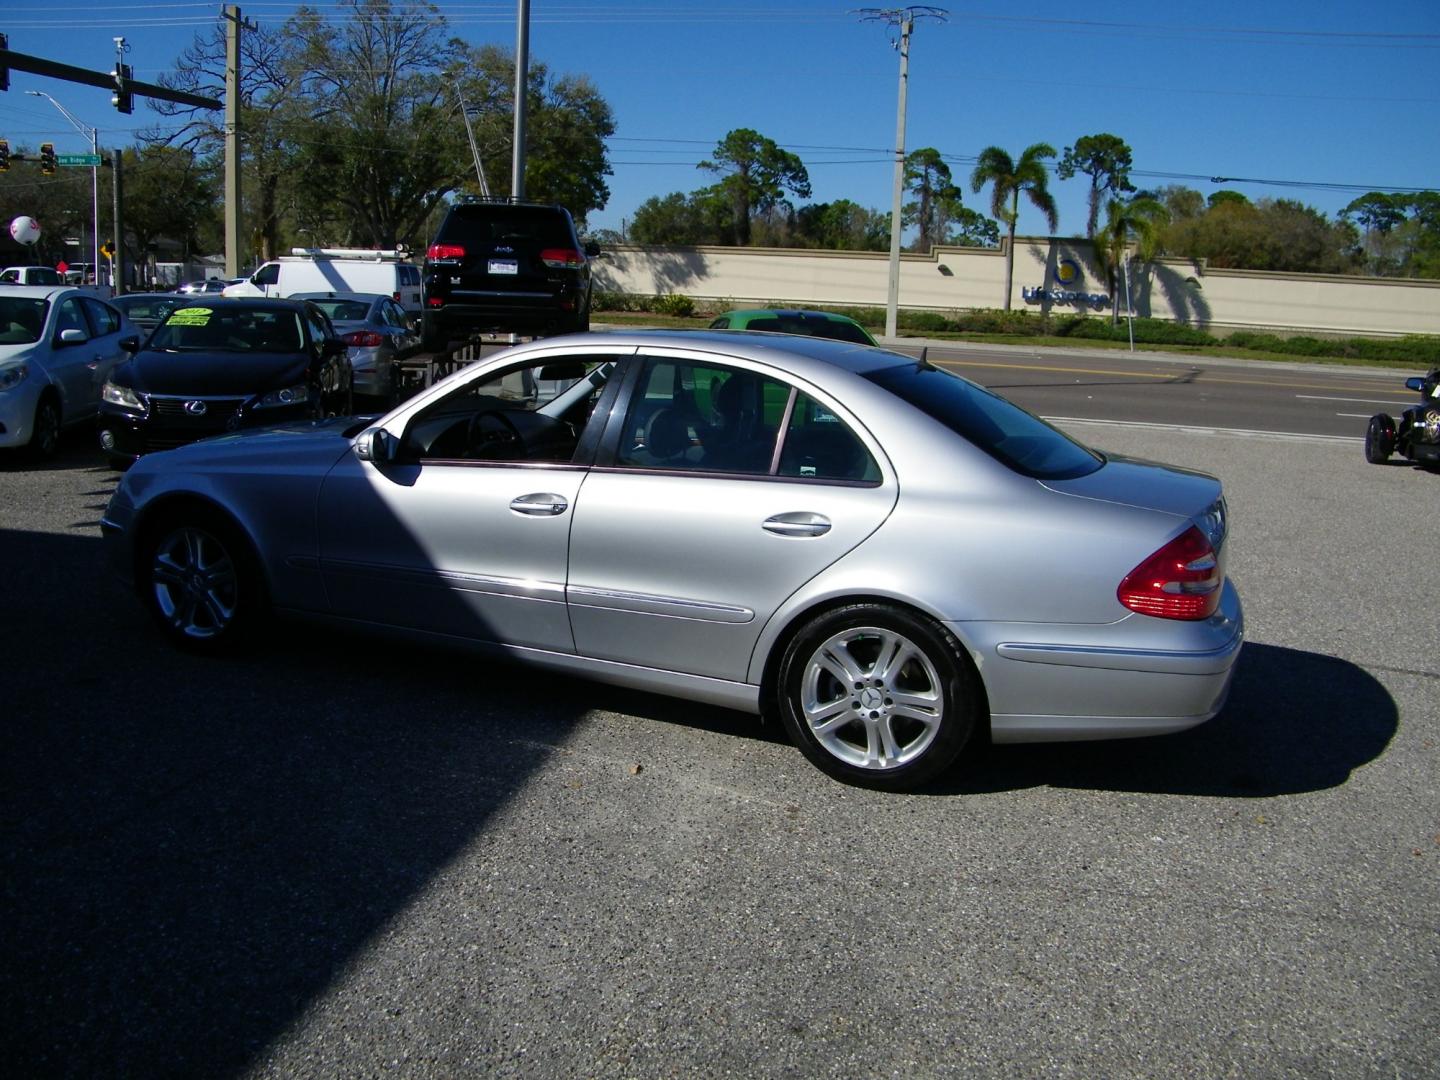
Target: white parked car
{"points": [[57, 346]]}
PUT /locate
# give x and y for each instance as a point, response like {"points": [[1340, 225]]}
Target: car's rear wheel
{"points": [[200, 581], [878, 696], [45, 434], [1379, 439]]}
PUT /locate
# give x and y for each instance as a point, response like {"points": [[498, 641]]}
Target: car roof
{"points": [[802, 354], [368, 297], [46, 291]]}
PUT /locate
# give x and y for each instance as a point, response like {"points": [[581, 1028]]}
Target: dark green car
{"points": [[810, 323]]}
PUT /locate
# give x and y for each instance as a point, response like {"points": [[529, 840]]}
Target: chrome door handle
{"points": [[797, 523], [540, 504]]}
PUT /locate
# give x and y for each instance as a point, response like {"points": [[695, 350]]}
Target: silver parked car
{"points": [[379, 335], [890, 559], [57, 345]]}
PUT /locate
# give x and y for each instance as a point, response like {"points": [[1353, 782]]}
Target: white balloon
{"points": [[25, 230]]}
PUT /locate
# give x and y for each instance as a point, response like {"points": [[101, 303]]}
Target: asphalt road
{"points": [[337, 857]]}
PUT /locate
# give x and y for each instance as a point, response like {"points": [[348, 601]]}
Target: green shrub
{"points": [[924, 321], [676, 304]]}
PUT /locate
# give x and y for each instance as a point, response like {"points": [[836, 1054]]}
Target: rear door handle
{"points": [[540, 504], [797, 523]]}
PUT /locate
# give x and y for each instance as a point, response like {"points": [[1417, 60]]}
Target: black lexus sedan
{"points": [[221, 364]]}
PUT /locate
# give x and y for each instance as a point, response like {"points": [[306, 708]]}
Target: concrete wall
{"points": [[1051, 275]]}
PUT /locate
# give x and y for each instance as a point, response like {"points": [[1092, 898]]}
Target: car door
{"points": [[464, 531], [700, 524], [78, 368]]}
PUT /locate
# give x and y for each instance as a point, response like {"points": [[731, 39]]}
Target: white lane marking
{"points": [[1189, 429], [1356, 400]]}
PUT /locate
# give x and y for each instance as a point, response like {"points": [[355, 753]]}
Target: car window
{"points": [[1014, 437], [721, 323], [103, 318], [392, 314], [529, 412], [269, 274], [820, 446], [481, 224], [693, 416], [836, 329], [320, 327], [22, 319], [70, 317], [344, 310]]}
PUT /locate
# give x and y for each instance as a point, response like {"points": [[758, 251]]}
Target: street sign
{"points": [[89, 161]]}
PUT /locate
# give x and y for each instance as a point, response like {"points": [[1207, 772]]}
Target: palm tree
{"points": [[1008, 179], [1141, 221]]}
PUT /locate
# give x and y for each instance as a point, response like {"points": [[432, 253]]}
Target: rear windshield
{"points": [[544, 226], [1014, 437]]}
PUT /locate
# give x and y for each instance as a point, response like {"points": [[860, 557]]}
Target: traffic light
{"points": [[47, 158], [4, 154], [107, 249], [121, 98]]}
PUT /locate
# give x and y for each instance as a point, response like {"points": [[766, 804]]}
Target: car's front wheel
{"points": [[877, 695], [1379, 439], [45, 435], [200, 582]]}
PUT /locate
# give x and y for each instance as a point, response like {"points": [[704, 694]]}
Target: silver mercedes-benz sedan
{"points": [[888, 558]]}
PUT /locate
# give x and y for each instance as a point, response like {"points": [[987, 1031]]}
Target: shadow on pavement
{"points": [[1295, 722], [193, 848]]}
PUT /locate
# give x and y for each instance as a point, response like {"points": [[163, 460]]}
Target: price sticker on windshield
{"points": [[504, 266], [190, 316]]}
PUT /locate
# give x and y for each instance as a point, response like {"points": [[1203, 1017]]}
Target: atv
{"points": [[1417, 435]]}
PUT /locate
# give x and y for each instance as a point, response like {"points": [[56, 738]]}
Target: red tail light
{"points": [[1180, 581], [562, 258], [365, 339], [445, 251]]}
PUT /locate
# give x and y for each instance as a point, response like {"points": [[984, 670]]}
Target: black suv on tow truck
{"points": [[505, 267]]}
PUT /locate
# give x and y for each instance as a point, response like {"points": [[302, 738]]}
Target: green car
{"points": [[810, 323]]}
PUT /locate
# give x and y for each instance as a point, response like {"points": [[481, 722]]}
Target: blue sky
{"points": [[1322, 101]]}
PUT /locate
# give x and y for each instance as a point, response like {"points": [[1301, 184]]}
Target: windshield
{"points": [[21, 320], [234, 329], [1014, 437]]}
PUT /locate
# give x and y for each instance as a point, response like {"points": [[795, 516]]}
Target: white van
{"points": [[359, 270]]}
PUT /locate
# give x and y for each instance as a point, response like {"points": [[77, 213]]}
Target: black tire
{"points": [[432, 338], [200, 581], [1379, 439], [45, 434], [842, 727]]}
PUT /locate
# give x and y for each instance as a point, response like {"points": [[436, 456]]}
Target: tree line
{"points": [[1379, 233]]}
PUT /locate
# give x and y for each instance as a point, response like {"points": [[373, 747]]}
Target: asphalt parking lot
{"points": [[342, 857]]}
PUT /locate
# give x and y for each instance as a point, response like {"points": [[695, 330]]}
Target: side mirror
{"points": [[73, 337], [376, 445], [592, 249], [333, 346], [1417, 384], [130, 344]]}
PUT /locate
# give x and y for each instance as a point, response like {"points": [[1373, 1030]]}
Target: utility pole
{"points": [[233, 25], [904, 18], [522, 79], [117, 261]]}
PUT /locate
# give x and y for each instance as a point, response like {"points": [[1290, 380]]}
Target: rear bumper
{"points": [[475, 312], [1139, 676]]}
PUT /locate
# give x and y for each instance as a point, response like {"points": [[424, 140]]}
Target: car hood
{"points": [[288, 446], [1148, 485], [202, 374]]}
